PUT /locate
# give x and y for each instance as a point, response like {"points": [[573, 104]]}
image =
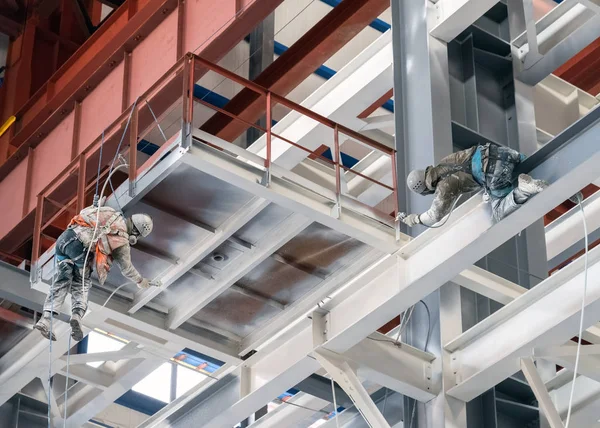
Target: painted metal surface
{"points": [[99, 62], [299, 61]]}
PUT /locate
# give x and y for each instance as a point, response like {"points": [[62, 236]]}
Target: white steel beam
{"points": [[317, 207], [127, 352], [489, 285], [379, 360], [285, 363], [567, 230], [588, 364], [586, 402], [55, 411], [342, 98], [541, 393], [562, 33], [303, 307], [129, 374], [271, 242], [490, 351], [455, 16], [438, 255], [290, 413], [200, 251], [95, 377], [346, 377]]}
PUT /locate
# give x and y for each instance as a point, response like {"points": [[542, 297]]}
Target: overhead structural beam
{"points": [[454, 16], [293, 198], [127, 376], [485, 355], [126, 352], [293, 412], [562, 33], [285, 364], [341, 98], [313, 49], [200, 251], [191, 303], [586, 401]]}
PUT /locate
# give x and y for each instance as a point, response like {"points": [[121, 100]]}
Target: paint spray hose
{"points": [[585, 279]]}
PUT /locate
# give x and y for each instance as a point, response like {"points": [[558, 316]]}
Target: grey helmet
{"points": [[143, 223], [416, 181]]}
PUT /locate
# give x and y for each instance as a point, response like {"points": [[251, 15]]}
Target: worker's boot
{"points": [[43, 325], [76, 326]]}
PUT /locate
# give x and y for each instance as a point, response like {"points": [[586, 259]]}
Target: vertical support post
{"points": [[37, 236], [81, 182], [180, 27], [126, 80], [188, 101], [267, 177], [338, 177], [28, 179], [173, 390], [423, 127], [133, 137], [76, 130], [396, 194], [262, 41]]}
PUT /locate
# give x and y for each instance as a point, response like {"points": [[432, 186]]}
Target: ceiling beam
{"points": [[313, 49]]}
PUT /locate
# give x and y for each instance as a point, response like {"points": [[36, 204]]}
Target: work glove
{"points": [[411, 220], [146, 283]]}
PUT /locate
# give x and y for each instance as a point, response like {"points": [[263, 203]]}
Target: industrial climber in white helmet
{"points": [[80, 244], [488, 166]]}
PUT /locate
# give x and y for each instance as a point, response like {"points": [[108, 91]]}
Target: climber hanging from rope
{"points": [[99, 233], [487, 166]]}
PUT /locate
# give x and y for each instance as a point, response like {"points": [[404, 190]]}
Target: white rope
{"points": [[335, 407], [578, 354]]}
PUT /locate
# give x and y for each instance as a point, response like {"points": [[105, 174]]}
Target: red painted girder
{"points": [[381, 101], [315, 47], [583, 70], [86, 68], [102, 52]]}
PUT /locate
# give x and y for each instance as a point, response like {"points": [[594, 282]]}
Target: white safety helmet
{"points": [[143, 223], [416, 181]]}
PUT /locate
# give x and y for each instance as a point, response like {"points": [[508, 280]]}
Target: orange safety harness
{"points": [[102, 250]]}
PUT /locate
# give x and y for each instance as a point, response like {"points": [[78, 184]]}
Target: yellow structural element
{"points": [[7, 125]]}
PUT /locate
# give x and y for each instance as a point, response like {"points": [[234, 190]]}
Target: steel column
{"points": [[423, 124], [262, 41]]}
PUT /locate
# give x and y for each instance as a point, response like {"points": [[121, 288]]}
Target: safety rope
{"points": [[50, 347], [585, 281], [67, 384], [335, 407], [83, 274]]}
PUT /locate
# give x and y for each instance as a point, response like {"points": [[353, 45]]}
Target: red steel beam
{"points": [[583, 70], [83, 71], [329, 35], [102, 52], [381, 101], [123, 27]]}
